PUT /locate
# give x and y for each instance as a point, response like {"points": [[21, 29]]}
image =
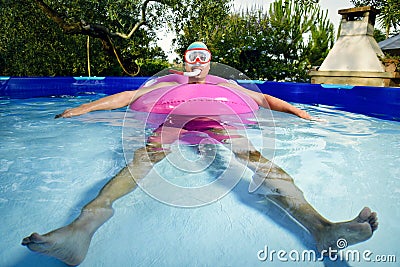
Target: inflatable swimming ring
{"points": [[209, 99]]}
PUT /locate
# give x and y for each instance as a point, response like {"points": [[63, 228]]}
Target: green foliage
{"points": [[379, 35], [33, 45], [149, 67], [277, 45], [27, 40], [199, 20]]}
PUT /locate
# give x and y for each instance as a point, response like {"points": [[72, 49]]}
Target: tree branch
{"points": [[81, 27], [96, 30], [139, 23]]}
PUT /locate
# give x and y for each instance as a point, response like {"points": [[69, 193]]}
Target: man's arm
{"points": [[112, 102], [106, 103], [270, 102], [283, 106]]}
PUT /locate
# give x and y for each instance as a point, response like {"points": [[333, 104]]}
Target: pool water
{"points": [[50, 168]]}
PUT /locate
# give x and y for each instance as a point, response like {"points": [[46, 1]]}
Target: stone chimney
{"points": [[354, 59]]}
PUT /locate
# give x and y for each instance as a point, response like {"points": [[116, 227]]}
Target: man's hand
{"points": [[304, 115], [68, 113]]}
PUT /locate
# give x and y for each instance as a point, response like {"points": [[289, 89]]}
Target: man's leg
{"points": [[71, 243], [279, 187]]}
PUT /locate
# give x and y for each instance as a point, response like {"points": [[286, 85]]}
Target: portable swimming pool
{"points": [[50, 168]]}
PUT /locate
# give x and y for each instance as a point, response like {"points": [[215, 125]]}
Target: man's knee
{"points": [[280, 187], [149, 154]]}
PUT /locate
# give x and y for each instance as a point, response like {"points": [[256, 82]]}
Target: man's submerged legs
{"points": [[71, 243], [279, 187]]}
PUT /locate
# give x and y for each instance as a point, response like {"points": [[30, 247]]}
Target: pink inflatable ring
{"points": [[195, 100]]}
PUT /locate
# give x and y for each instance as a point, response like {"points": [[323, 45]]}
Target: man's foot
{"points": [[70, 243], [65, 244], [341, 235]]}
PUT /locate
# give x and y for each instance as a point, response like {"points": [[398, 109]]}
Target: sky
{"points": [[331, 5]]}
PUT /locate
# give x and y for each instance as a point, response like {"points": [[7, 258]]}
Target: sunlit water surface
{"points": [[50, 168]]}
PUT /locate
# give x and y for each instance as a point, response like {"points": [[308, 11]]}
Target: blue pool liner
{"points": [[380, 102]]}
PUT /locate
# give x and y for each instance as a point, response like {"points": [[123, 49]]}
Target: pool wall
{"points": [[380, 102]]}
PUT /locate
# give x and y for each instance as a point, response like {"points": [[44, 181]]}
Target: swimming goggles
{"points": [[197, 55]]}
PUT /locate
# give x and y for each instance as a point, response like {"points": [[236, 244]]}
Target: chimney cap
{"points": [[359, 10]]}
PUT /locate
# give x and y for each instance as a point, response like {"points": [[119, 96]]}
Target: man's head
{"points": [[197, 56]]}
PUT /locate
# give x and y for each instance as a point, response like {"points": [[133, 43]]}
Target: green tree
{"points": [[379, 35], [389, 16], [38, 48], [277, 45], [49, 38], [199, 20]]}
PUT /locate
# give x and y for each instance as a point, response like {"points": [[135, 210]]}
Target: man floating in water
{"points": [[71, 243]]}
